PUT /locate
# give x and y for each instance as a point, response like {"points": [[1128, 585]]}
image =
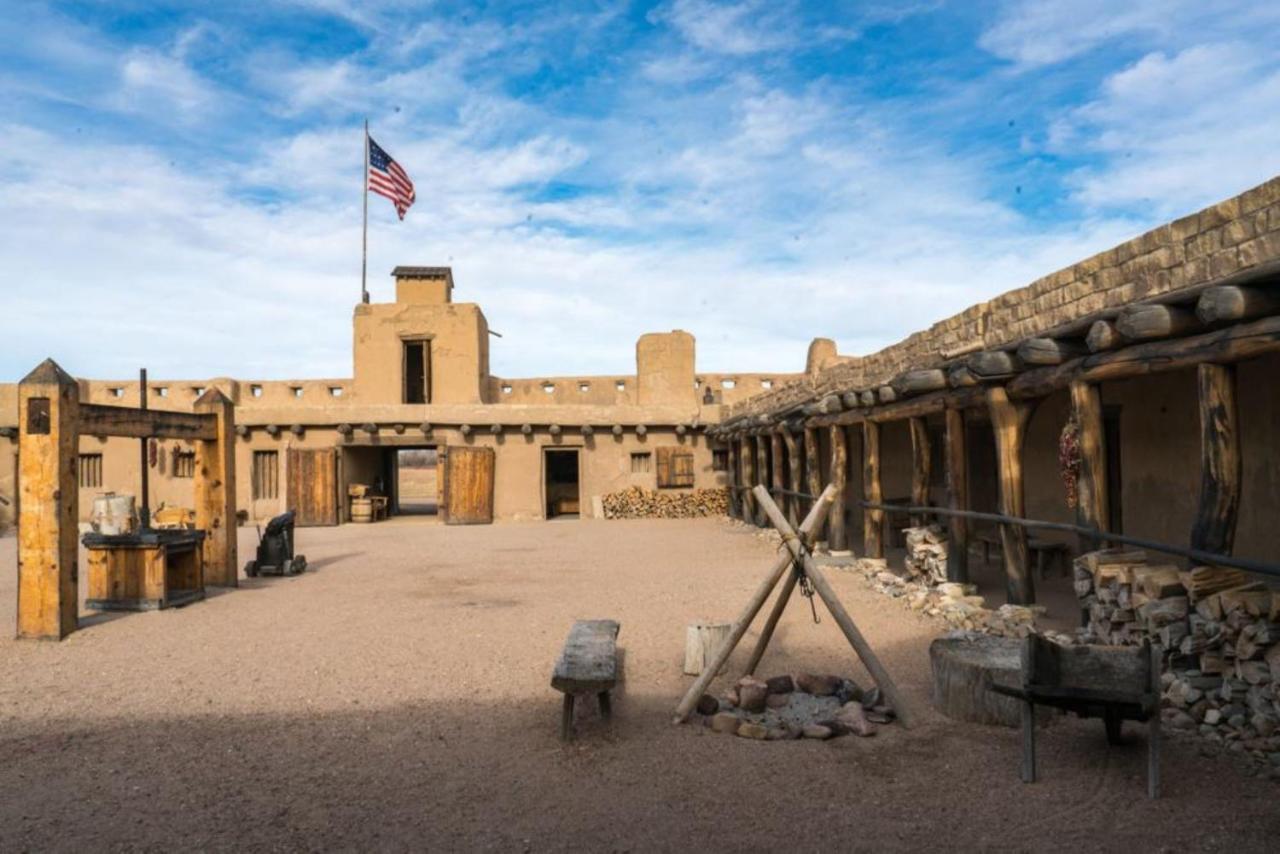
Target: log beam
{"points": [[1051, 351], [1235, 302], [1220, 463], [1092, 500], [957, 462], [215, 490], [921, 467], [872, 520], [99, 420], [837, 527], [1009, 423], [1144, 322], [1103, 336]]}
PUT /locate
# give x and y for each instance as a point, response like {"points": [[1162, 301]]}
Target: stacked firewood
{"points": [[638, 503], [1220, 632], [927, 553]]}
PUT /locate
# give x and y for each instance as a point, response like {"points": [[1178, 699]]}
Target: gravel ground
{"points": [[397, 698]]}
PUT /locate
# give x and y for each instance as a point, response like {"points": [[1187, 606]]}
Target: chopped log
{"points": [[701, 641], [919, 382], [830, 405], [886, 394], [1051, 351], [1103, 336], [1144, 322], [1220, 461], [959, 376], [867, 398], [1235, 302], [850, 400], [993, 363], [964, 668], [1159, 582]]}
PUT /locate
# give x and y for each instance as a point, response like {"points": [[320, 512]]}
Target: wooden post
{"points": [[837, 529], [795, 545], [762, 473], [48, 503], [872, 520], [1215, 524], [731, 469], [1092, 501], [921, 467], [811, 523], [793, 475], [813, 467], [1009, 422], [746, 457], [957, 460], [766, 633], [215, 491], [777, 478]]}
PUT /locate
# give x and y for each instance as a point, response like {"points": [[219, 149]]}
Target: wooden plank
{"points": [[215, 491], [837, 528], [872, 520], [48, 503], [468, 485], [99, 420], [1231, 303], [588, 663], [1092, 500], [921, 467], [1220, 461], [1009, 423], [312, 486], [957, 462]]}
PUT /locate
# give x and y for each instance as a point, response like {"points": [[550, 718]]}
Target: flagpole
{"points": [[364, 249]]}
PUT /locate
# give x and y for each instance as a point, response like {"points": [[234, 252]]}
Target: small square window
{"points": [[620, 385], [506, 388], [297, 390], [335, 391], [766, 383], [584, 387], [161, 391], [116, 392], [184, 464], [549, 388], [641, 463], [197, 390], [255, 390], [90, 471], [728, 383]]}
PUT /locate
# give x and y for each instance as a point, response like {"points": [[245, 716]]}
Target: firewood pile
{"points": [[1220, 631], [927, 553], [637, 503]]}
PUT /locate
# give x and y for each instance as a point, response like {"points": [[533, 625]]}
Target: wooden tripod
{"points": [[799, 561]]}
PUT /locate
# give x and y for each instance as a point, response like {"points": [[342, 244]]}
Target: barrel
{"points": [[361, 510], [113, 514]]}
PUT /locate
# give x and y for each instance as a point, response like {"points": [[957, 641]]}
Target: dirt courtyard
{"points": [[396, 697]]}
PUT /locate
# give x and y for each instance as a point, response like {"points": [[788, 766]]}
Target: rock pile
{"points": [[795, 706], [1221, 636], [635, 502], [927, 554]]}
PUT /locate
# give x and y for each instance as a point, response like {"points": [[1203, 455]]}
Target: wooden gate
{"points": [[466, 489], [313, 486]]}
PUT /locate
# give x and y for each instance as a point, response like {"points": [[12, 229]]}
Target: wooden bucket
{"points": [[361, 510]]}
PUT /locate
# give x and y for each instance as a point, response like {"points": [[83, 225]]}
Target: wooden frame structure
{"points": [[1208, 328], [51, 421]]}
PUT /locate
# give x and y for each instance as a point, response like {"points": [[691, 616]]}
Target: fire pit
{"points": [[800, 706]]}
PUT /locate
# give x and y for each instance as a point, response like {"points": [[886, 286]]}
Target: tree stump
{"points": [[701, 641], [962, 669]]}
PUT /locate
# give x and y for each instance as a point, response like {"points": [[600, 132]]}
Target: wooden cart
{"points": [[146, 571]]}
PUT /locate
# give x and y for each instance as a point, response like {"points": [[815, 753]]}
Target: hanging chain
{"points": [[806, 590]]}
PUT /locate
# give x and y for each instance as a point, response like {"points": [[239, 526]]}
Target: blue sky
{"points": [[179, 183]]}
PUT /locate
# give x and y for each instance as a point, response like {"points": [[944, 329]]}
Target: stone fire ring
{"points": [[791, 707]]}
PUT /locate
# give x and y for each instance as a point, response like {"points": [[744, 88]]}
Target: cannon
{"points": [[275, 550]]}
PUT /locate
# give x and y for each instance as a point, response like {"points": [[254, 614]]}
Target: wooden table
{"points": [[145, 571]]}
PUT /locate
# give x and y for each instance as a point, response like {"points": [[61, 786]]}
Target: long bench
{"points": [[588, 664]]}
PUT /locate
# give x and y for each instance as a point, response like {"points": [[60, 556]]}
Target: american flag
{"points": [[386, 178]]}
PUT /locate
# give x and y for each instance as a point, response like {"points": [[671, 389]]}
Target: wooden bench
{"points": [[1043, 552], [1115, 683], [588, 664]]}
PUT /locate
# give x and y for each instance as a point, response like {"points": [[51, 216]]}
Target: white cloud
{"points": [[737, 28]]}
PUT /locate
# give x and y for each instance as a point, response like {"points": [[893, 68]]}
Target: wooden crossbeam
{"points": [[98, 420]]}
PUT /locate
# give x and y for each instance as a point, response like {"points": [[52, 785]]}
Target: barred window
{"points": [[720, 459], [184, 464], [640, 463], [90, 466], [266, 474]]}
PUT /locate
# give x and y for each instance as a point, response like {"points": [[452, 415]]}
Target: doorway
{"points": [[417, 489], [561, 477]]}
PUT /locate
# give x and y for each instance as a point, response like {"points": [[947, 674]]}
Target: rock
{"points": [[726, 722], [1179, 719], [782, 733], [818, 686], [708, 705], [1212, 716], [730, 697], [751, 694], [853, 718], [777, 701], [1263, 724], [1236, 721], [780, 684], [880, 714], [817, 731], [757, 731]]}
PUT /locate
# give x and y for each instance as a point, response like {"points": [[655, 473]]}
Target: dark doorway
{"points": [[417, 491], [417, 372], [1115, 480], [561, 478]]}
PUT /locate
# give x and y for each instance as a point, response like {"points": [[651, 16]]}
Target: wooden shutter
{"points": [[467, 487], [313, 486], [675, 467]]}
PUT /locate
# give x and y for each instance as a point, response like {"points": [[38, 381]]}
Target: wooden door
{"points": [[466, 490], [313, 486]]}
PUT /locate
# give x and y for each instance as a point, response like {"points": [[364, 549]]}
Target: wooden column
{"points": [[735, 479], [776, 461], [48, 501], [794, 467], [746, 459], [1215, 524], [838, 529], [1092, 501], [1009, 423], [215, 491], [762, 474], [872, 520], [957, 461], [813, 467], [921, 467]]}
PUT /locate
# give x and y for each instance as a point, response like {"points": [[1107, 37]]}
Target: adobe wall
{"points": [[665, 369], [459, 338]]}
